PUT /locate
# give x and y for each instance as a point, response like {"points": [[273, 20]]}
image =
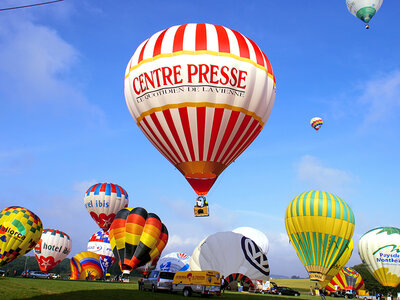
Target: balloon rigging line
{"points": [[31, 5]]}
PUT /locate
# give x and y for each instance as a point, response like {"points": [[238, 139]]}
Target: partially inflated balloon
{"points": [[320, 225], [339, 264], [316, 123], [20, 230], [346, 279], [86, 265], [256, 235], [379, 249], [99, 243], [52, 248], [103, 201], [137, 237], [173, 262], [364, 9], [201, 94]]}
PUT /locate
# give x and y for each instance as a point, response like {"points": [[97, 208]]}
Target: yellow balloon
{"points": [[339, 265], [320, 226], [20, 230]]}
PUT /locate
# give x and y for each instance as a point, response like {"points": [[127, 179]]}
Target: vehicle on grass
{"points": [[2, 273], [201, 282], [284, 290], [349, 294], [54, 275], [157, 280], [37, 274]]}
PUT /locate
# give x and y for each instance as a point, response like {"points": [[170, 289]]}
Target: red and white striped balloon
{"points": [[201, 94]]}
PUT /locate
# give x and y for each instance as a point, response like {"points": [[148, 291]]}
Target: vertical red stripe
{"points": [[103, 187], [164, 135], [223, 40], [178, 39], [158, 44], [142, 52], [159, 142], [247, 143], [269, 67], [229, 128], [183, 113], [259, 54], [122, 191], [201, 37], [172, 128], [237, 138], [201, 128], [218, 112], [94, 187], [113, 188], [244, 49]]}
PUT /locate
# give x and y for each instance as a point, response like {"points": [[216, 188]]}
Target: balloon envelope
{"points": [[20, 230], [316, 123], [256, 235], [99, 243], [379, 249], [103, 201], [364, 9], [230, 253], [320, 225], [346, 279], [201, 94], [137, 237], [52, 248], [86, 264], [173, 262]]}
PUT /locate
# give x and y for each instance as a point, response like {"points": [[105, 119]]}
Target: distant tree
{"points": [[295, 277]]}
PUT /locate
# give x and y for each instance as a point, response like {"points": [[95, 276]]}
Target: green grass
{"points": [[25, 288]]}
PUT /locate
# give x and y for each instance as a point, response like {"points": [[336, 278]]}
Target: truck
{"points": [[201, 282]]}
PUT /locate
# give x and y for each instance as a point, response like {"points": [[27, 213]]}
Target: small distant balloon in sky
{"points": [[316, 123], [364, 9]]}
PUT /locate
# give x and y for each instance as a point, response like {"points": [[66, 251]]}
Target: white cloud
{"points": [[310, 170]]}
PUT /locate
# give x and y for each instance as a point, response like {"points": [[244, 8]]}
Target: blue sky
{"points": [[65, 124]]}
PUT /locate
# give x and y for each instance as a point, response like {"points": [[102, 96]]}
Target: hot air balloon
{"points": [[174, 262], [256, 235], [20, 230], [346, 279], [379, 249], [137, 237], [339, 264], [230, 253], [86, 265], [320, 226], [148, 267], [201, 94], [99, 243], [316, 123], [103, 201], [364, 9], [52, 248]]}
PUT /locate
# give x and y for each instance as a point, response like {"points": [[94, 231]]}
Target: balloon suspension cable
{"points": [[367, 26]]}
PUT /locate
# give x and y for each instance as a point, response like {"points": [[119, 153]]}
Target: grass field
{"points": [[25, 288]]}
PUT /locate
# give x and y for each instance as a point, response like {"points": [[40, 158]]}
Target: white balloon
{"points": [[256, 235], [229, 253], [173, 262]]}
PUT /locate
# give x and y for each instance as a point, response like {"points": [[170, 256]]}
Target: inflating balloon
{"points": [[364, 9], [86, 265], [137, 237], [229, 253], [201, 94], [20, 230], [99, 243], [320, 226], [103, 201], [173, 262], [52, 248], [316, 123], [346, 279], [256, 235], [379, 249]]}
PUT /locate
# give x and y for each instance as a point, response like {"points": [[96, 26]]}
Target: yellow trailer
{"points": [[202, 282]]}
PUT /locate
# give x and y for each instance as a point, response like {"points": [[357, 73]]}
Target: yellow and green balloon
{"points": [[320, 226]]}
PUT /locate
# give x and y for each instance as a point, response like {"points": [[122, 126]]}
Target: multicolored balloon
{"points": [[201, 94], [20, 230], [99, 243], [316, 123], [86, 265], [346, 279], [320, 226], [379, 249], [103, 201], [52, 248], [174, 262], [364, 9], [339, 264], [137, 237]]}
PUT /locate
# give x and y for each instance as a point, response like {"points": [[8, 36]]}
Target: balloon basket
{"points": [[125, 276], [201, 207]]}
